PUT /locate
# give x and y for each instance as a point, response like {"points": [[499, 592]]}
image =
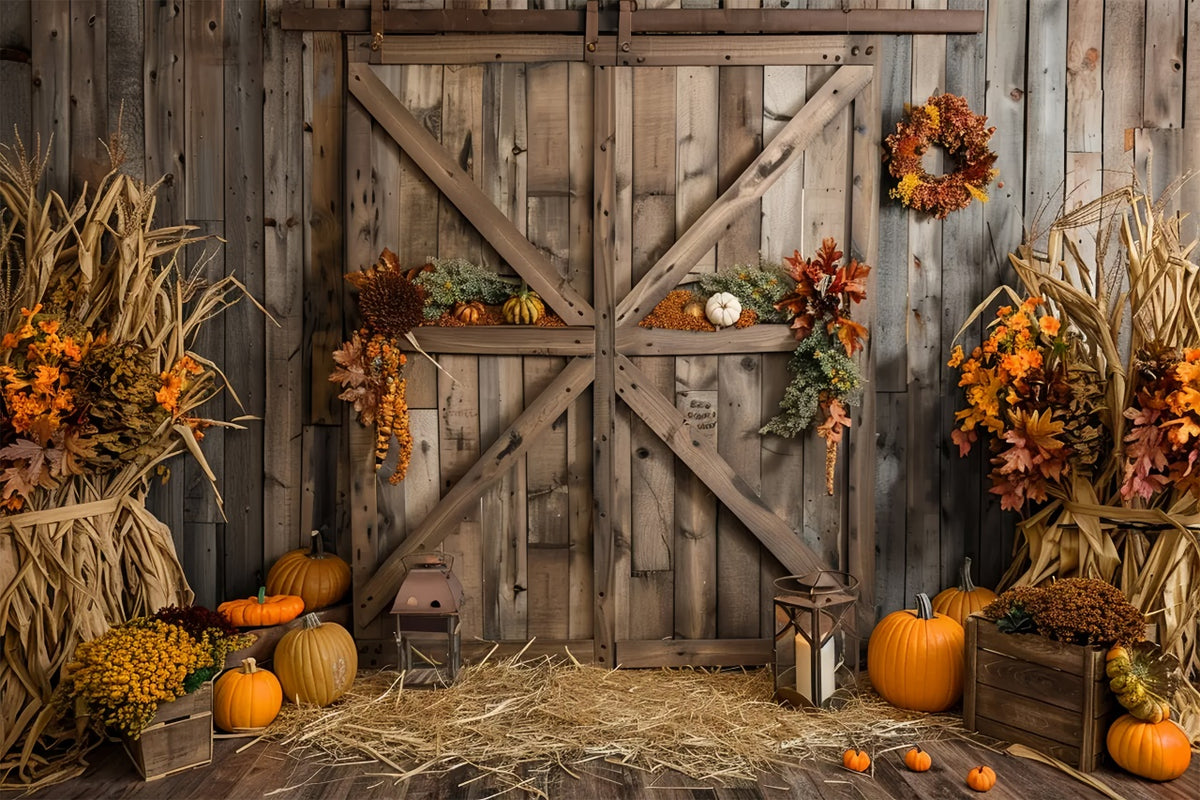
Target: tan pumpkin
{"points": [[316, 662], [523, 308], [320, 578], [246, 699], [468, 313], [694, 309], [915, 658], [262, 611], [960, 602]]}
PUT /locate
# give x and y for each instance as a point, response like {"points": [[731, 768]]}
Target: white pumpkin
{"points": [[723, 309]]}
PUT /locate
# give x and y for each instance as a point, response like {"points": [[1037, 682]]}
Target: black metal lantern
{"points": [[427, 621], [812, 614]]}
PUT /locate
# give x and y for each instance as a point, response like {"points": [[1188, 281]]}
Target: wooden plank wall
{"points": [[249, 121]]}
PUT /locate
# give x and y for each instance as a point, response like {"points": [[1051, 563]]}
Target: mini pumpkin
{"points": [[262, 611], [981, 779], [960, 602], [247, 698], [918, 760], [915, 658], [523, 308], [1157, 751], [857, 760], [320, 578], [316, 662], [468, 313], [723, 309]]}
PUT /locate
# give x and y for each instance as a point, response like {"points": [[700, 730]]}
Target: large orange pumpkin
{"points": [[316, 662], [1159, 751], [320, 578], [915, 658], [247, 698], [959, 602]]}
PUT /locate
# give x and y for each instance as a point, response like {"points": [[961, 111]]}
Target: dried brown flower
{"points": [[1075, 610]]}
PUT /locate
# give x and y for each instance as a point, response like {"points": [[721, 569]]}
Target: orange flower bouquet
{"points": [[98, 390], [1087, 393]]}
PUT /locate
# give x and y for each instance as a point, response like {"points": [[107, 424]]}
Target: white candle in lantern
{"points": [[804, 678]]}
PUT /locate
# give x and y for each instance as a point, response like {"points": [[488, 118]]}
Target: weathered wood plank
{"points": [[164, 109], [547, 513], [1190, 194], [88, 85], [16, 72], [462, 135], [458, 450], [203, 82], [702, 458], [695, 562], [283, 249], [512, 444], [324, 286], [1085, 96], [244, 566], [611, 532], [924, 323], [123, 107], [783, 202], [50, 32], [1162, 99], [418, 200], [1123, 79], [450, 178], [502, 514], [634, 653], [1045, 108], [758, 177]]}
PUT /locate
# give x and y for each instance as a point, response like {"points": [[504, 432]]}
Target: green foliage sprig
{"points": [[758, 288], [820, 368], [456, 280]]}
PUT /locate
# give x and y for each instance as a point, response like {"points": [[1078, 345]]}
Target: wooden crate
{"points": [[1028, 689], [179, 737]]}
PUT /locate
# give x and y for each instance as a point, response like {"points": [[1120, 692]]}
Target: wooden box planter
{"points": [[179, 737], [1028, 689]]}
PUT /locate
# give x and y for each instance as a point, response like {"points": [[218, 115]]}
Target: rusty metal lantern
{"points": [[813, 614], [427, 622]]}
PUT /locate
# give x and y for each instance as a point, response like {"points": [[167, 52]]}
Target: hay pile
{"points": [[506, 716]]}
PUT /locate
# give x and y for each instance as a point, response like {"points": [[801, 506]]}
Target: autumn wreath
{"points": [[944, 120]]}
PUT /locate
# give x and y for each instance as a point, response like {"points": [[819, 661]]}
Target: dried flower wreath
{"points": [[944, 120]]}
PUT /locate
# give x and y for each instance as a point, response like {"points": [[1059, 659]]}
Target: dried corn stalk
{"points": [[78, 549]]}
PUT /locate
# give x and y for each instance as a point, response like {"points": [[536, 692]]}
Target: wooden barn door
{"points": [[603, 486]]}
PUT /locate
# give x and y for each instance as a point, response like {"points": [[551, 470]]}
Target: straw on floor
{"points": [[506, 717]]}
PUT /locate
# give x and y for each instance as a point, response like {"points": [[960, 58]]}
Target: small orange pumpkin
{"points": [[915, 658], [468, 313], [321, 578], [1158, 751], [247, 698], [262, 611], [857, 760], [960, 602], [981, 779], [918, 760]]}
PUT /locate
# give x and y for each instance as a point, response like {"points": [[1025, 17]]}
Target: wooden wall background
{"points": [[214, 93]]}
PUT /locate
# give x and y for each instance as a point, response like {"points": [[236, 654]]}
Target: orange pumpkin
{"points": [[915, 658], [981, 779], [247, 698], [918, 760], [1158, 751], [959, 602], [857, 760], [316, 663], [320, 578], [262, 611]]}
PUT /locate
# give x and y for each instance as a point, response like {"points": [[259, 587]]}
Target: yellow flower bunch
{"points": [[121, 677]]}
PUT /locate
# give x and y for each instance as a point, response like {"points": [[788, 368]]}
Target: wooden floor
{"points": [[266, 771]]}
